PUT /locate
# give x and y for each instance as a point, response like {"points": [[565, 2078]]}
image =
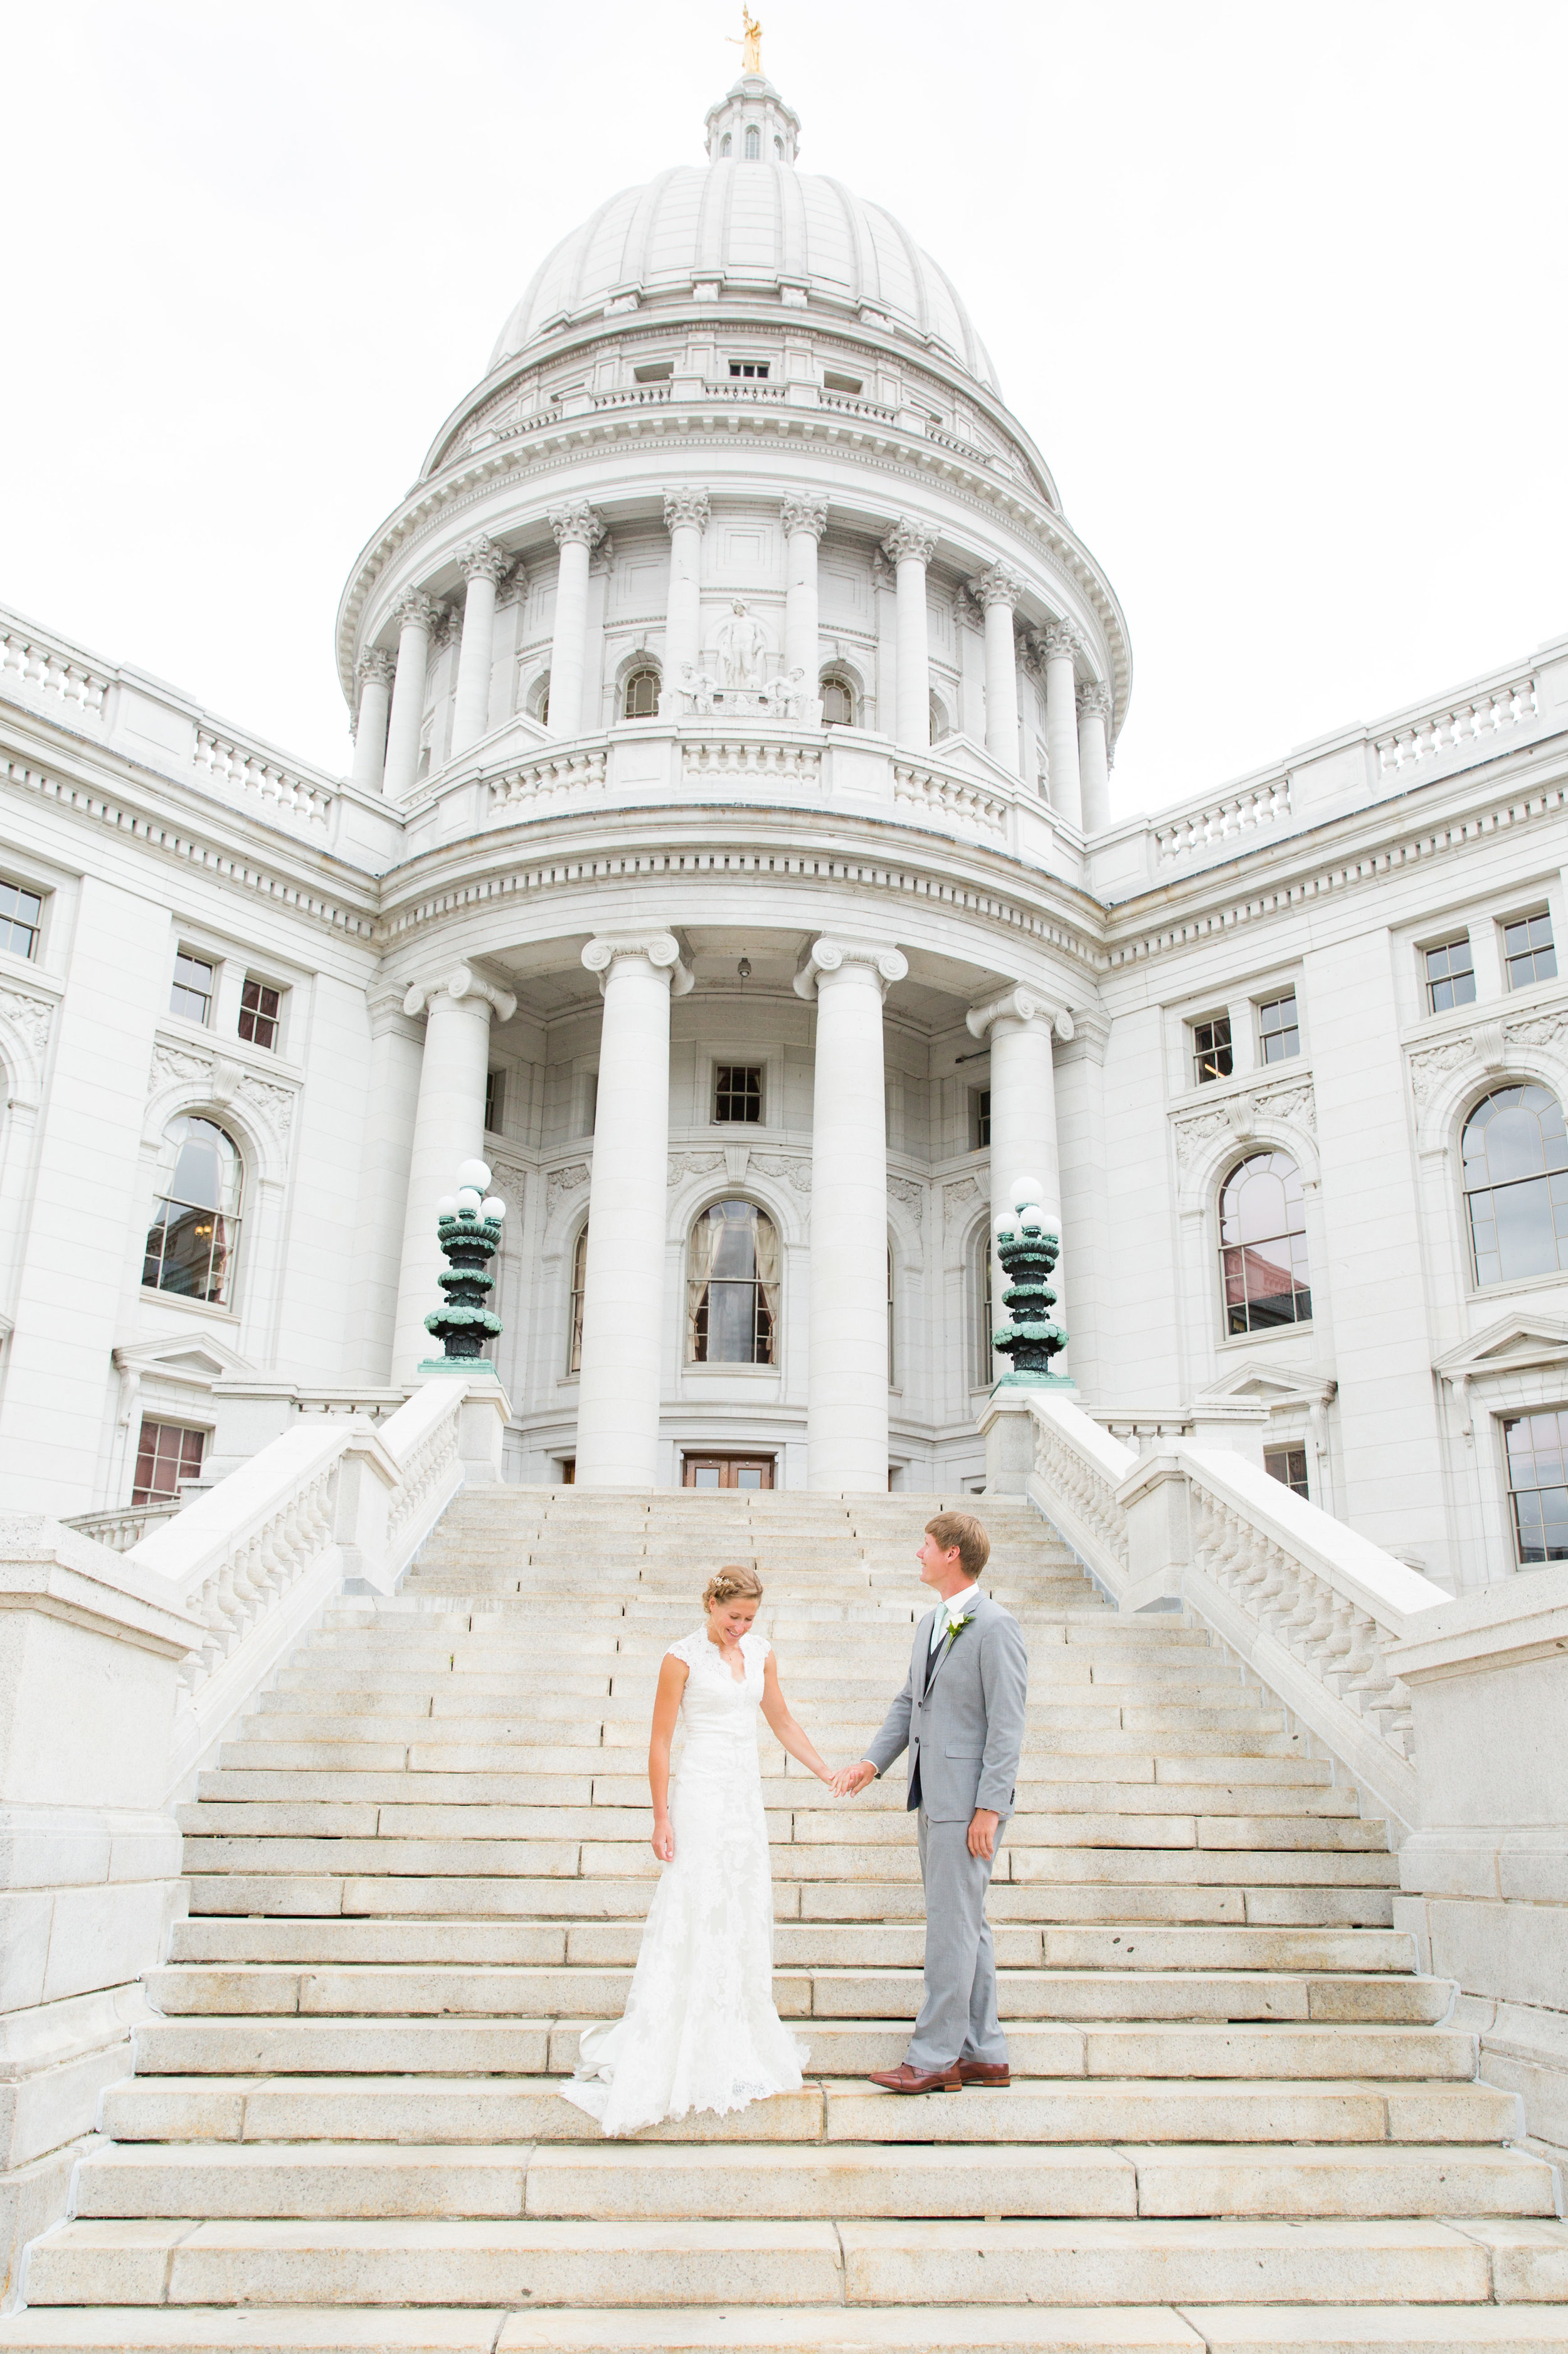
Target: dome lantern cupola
{"points": [[751, 124]]}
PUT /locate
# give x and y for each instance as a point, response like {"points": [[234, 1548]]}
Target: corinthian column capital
{"points": [[377, 665], [908, 538], [804, 514], [416, 608], [1095, 697], [828, 956], [661, 950], [687, 505], [481, 560], [1059, 640], [576, 522], [1020, 1003], [996, 586], [461, 983]]}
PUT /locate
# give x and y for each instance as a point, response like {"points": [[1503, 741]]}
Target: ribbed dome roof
{"points": [[756, 227]]}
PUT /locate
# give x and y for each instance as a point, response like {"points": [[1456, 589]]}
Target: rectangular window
{"points": [[164, 1455], [1537, 1449], [1530, 950], [494, 1100], [1278, 1032], [738, 1091], [1211, 1050], [758, 369], [979, 1119], [1450, 976], [1288, 1466], [192, 992], [259, 1018], [21, 916]]}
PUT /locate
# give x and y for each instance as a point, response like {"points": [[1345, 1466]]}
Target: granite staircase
{"points": [[1238, 2120]]}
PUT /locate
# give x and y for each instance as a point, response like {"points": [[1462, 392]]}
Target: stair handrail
{"points": [[257, 1557], [1310, 1606]]}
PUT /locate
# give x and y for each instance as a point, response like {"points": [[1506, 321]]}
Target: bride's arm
{"points": [[672, 1676], [785, 1730]]}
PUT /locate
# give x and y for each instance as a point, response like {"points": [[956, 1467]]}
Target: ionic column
{"points": [[846, 1404], [416, 617], [909, 548], [1094, 754], [449, 1126], [623, 1299], [685, 519], [376, 671], [999, 591], [483, 565], [1061, 647], [577, 531], [1019, 1027], [805, 521]]}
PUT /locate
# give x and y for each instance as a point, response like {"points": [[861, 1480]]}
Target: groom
{"points": [[960, 1716]]}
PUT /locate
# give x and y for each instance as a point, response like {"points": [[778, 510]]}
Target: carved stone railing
{"points": [[1306, 1604], [122, 1529], [49, 669], [944, 797], [277, 790], [1476, 718], [256, 1559], [1231, 818], [547, 781]]}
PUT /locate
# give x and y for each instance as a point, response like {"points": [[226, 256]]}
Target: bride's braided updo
{"points": [[732, 1583]]}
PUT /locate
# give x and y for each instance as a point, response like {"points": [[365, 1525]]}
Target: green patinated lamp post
{"points": [[469, 1231], [1027, 1244]]}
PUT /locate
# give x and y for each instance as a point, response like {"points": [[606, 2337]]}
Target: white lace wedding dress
{"points": [[699, 2030]]}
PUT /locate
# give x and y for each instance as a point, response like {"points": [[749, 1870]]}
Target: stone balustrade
{"points": [[45, 667], [1472, 719], [276, 789]]}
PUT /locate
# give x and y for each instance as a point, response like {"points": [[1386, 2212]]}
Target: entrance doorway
{"points": [[726, 1470]]}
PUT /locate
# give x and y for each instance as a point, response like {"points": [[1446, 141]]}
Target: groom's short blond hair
{"points": [[963, 1530]]}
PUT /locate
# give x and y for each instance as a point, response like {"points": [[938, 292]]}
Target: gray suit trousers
{"points": [[957, 2017]]}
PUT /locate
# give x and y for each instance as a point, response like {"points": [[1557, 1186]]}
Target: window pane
{"points": [[1263, 1244], [19, 914], [738, 1091], [1278, 1034], [1450, 976], [1537, 1445], [1288, 1466], [1212, 1054], [1514, 1146], [165, 1455], [191, 994], [1530, 950], [259, 1013]]}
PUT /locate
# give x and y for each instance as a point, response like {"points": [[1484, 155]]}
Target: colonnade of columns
{"points": [[625, 1311], [1076, 716]]}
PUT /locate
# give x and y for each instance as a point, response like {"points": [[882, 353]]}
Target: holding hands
{"points": [[851, 1780]]}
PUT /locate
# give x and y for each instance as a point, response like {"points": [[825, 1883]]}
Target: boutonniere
{"points": [[958, 1621]]}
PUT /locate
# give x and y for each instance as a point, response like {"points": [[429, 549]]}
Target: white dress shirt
{"points": [[955, 1603]]}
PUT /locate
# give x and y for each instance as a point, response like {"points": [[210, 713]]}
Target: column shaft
{"points": [[1022, 1107], [577, 530], [685, 515], [419, 617], [804, 523], [483, 565], [1000, 684], [449, 1126], [1062, 724], [846, 1410], [908, 548], [623, 1300], [376, 675], [1093, 756]]}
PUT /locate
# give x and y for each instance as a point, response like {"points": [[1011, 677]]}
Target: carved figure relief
{"points": [[563, 1181], [741, 646]]}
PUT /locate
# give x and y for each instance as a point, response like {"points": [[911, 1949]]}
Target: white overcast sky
{"points": [[1277, 289]]}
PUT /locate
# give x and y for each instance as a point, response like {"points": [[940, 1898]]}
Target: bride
{"points": [[700, 2030]]}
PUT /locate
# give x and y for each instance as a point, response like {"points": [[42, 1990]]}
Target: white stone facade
{"points": [[587, 792]]}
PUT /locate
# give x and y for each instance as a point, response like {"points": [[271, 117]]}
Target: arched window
{"points": [[194, 1238], [778, 146], [641, 700], [980, 1311], [732, 1287], [725, 143], [940, 724], [753, 144], [1263, 1244], [1516, 1184], [838, 703], [539, 700], [575, 1321]]}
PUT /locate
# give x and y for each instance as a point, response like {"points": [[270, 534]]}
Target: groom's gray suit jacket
{"points": [[964, 1728]]}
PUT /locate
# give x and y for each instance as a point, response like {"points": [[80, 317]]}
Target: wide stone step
{"points": [[842, 2047], [457, 2110], [525, 1991], [875, 2264], [787, 2181]]}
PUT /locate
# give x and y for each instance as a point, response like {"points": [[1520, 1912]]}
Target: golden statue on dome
{"points": [[750, 44]]}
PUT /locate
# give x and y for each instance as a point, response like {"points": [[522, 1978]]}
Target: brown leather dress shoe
{"points": [[984, 2072], [906, 2079]]}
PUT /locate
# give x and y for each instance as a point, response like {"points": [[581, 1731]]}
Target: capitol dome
{"points": [[748, 224]]}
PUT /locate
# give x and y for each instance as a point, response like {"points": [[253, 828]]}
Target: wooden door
{"points": [[727, 1471]]}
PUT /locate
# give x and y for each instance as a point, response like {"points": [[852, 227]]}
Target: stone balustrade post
{"points": [[577, 531], [907, 548], [1059, 647], [416, 617], [805, 520], [685, 519], [483, 567], [449, 1126], [377, 672], [1094, 754], [846, 1410], [1018, 1027], [999, 590], [623, 1291]]}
